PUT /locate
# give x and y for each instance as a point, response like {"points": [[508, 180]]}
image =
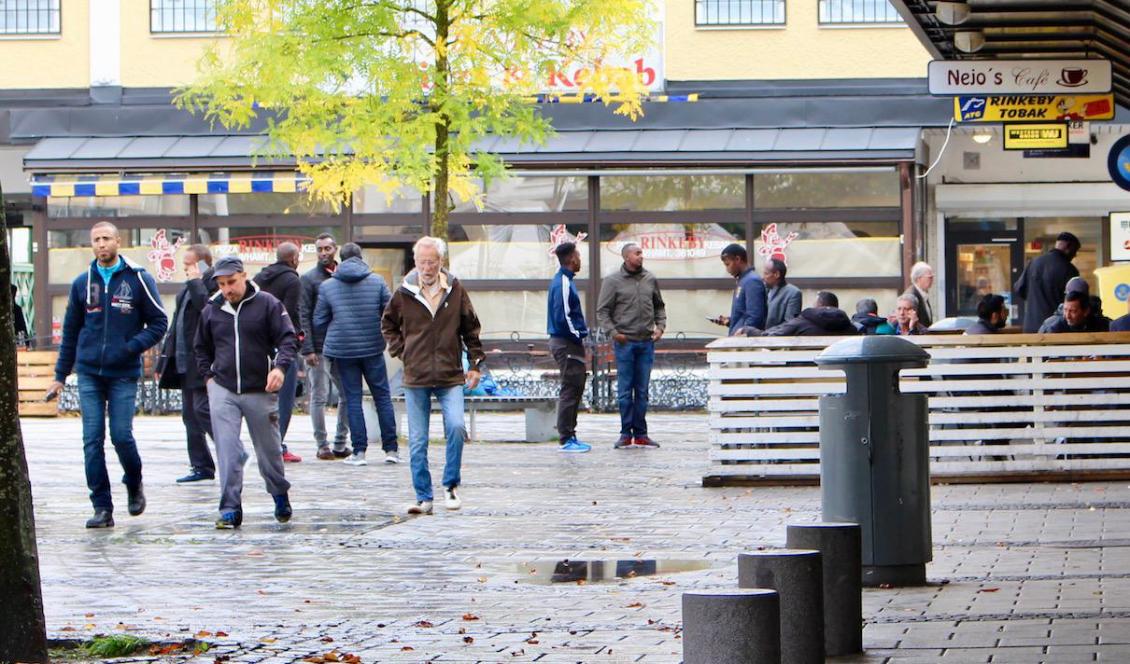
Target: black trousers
{"points": [[197, 420], [570, 358]]}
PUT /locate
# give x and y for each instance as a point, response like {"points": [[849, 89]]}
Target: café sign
{"points": [[1019, 77], [1032, 108]]}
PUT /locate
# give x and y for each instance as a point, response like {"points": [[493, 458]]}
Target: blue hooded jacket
{"points": [[106, 329], [349, 309], [565, 320]]}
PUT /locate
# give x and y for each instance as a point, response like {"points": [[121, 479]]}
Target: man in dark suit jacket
{"points": [[1043, 283], [784, 298], [921, 279], [176, 368]]}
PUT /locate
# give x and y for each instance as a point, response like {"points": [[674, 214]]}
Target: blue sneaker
{"points": [[575, 446], [229, 520]]}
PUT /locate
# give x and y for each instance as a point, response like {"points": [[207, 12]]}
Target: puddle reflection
{"points": [[596, 571]]}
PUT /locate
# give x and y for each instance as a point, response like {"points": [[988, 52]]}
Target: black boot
{"points": [[101, 519], [136, 500]]}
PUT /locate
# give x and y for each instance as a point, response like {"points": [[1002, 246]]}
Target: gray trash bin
{"points": [[875, 457]]}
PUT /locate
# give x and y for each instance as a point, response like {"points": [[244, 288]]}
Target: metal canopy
{"points": [[1018, 29]]}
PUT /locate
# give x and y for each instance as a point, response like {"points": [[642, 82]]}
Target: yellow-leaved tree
{"points": [[400, 92]]}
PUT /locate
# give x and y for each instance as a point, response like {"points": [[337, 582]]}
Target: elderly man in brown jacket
{"points": [[427, 325]]}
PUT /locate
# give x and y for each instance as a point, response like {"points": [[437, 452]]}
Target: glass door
{"points": [[983, 257]]}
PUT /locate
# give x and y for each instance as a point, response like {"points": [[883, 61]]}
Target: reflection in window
{"points": [[834, 249], [509, 252], [296, 203], [671, 250], [814, 189], [371, 200], [505, 314], [256, 245], [117, 206], [159, 250], [672, 192], [688, 310], [532, 194]]}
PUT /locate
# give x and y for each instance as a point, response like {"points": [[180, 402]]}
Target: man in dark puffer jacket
{"points": [[349, 309]]}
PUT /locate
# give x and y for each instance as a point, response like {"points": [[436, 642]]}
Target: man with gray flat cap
{"points": [[244, 346]]}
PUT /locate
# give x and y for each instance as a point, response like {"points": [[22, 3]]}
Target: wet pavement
{"points": [[1036, 572]]}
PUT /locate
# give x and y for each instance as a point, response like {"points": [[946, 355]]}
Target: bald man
{"points": [[281, 280]]}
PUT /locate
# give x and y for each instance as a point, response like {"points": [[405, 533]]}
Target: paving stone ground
{"points": [[1035, 572]]}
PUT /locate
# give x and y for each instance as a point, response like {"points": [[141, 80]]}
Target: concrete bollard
{"points": [[731, 627], [797, 577], [841, 558]]}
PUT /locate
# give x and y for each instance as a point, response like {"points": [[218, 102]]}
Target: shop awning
{"points": [[124, 154], [1026, 29], [199, 183]]}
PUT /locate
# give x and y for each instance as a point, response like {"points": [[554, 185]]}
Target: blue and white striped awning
{"points": [[171, 183]]}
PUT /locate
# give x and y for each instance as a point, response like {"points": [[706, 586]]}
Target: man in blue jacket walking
{"points": [[114, 314], [567, 332], [348, 314]]}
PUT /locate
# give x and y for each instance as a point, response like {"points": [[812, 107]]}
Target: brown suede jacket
{"points": [[431, 347]]}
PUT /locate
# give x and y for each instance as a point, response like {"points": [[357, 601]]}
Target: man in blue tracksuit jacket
{"points": [[567, 332], [114, 314], [750, 306]]}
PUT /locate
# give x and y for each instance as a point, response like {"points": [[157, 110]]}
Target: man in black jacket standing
{"points": [[1043, 283], [176, 368], [319, 368], [281, 280], [244, 347]]}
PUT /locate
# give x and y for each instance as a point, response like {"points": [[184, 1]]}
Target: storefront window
{"points": [[159, 250], [833, 249], [380, 233], [296, 203], [371, 200], [688, 311], [815, 189], [256, 245], [389, 263], [509, 252], [672, 250], [506, 313], [672, 192], [118, 206], [532, 194]]}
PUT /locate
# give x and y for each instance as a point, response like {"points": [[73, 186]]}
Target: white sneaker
{"points": [[420, 507], [356, 459], [451, 500], [392, 457]]}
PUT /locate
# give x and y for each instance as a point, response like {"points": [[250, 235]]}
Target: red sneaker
{"points": [[644, 441], [291, 457]]}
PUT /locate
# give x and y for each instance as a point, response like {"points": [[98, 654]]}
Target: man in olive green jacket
{"points": [[631, 311]]}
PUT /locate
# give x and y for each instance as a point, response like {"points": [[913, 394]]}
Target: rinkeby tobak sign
{"points": [[1019, 77], [1032, 108]]}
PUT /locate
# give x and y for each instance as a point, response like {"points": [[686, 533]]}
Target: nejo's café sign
{"points": [[1019, 77]]}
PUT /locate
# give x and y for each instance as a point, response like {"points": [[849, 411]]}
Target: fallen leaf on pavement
{"points": [[468, 640], [255, 552], [221, 634], [327, 639], [407, 648], [470, 616], [68, 628], [350, 658], [423, 623], [268, 640], [988, 590], [635, 605], [203, 634]]}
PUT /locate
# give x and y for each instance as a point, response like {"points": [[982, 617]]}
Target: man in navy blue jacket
{"points": [[750, 306], [114, 314], [567, 332], [348, 316]]}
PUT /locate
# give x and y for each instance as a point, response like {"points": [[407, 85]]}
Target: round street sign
{"points": [[1118, 163]]}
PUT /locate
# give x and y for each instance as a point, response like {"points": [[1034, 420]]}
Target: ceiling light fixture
{"points": [[982, 136], [952, 13]]}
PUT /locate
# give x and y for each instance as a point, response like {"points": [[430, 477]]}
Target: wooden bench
{"points": [[1002, 407], [541, 414], [36, 371]]}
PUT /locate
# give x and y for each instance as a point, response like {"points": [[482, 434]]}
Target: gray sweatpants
{"points": [[261, 410]]}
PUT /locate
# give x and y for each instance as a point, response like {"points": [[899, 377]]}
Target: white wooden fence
{"points": [[1002, 407]]}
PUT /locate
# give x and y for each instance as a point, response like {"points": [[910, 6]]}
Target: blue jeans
{"points": [[418, 403], [97, 395], [372, 369], [633, 374], [286, 399]]}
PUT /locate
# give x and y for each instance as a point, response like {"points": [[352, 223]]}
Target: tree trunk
{"points": [[23, 631], [440, 192]]}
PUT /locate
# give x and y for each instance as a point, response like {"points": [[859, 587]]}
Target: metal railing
{"points": [[172, 16], [739, 12], [855, 12], [30, 17]]}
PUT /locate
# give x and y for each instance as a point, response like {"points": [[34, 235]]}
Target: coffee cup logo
{"points": [[1072, 77]]}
